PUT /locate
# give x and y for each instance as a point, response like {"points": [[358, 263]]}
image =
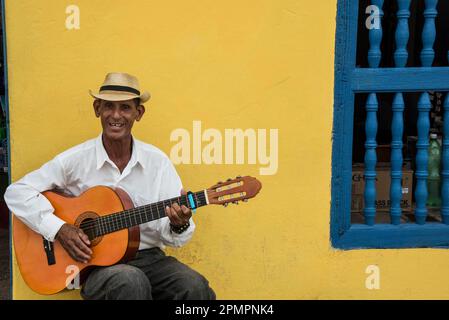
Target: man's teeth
{"points": [[116, 124]]}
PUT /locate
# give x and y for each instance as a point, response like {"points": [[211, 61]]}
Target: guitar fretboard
{"points": [[139, 215]]}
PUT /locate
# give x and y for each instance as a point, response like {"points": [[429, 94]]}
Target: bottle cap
{"points": [[433, 136]]}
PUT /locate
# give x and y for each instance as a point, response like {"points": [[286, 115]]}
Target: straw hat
{"points": [[119, 86]]}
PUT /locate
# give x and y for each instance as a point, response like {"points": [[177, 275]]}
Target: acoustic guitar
{"points": [[110, 220]]}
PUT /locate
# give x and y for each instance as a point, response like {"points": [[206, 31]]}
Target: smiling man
{"points": [[116, 159]]}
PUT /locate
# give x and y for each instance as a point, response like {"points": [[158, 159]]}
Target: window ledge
{"points": [[387, 236]]}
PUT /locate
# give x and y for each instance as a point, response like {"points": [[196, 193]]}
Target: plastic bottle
{"points": [[433, 180]]}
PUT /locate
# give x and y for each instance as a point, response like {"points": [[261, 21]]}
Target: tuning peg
{"points": [[229, 179], [238, 177], [245, 200], [219, 182], [225, 204], [235, 202]]}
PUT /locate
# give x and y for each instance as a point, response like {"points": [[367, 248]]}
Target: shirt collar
{"points": [[102, 155]]}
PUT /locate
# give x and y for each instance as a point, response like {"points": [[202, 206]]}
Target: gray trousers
{"points": [[150, 275]]}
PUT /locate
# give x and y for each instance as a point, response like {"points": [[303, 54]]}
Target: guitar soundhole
{"points": [[87, 223]]}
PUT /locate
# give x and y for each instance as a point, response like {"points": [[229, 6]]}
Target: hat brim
{"points": [[120, 96]]}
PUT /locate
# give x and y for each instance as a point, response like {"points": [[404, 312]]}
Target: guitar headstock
{"points": [[234, 190]]}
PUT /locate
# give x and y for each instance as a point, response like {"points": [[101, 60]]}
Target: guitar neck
{"points": [[139, 215]]}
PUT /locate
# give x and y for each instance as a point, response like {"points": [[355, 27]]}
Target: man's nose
{"points": [[116, 113]]}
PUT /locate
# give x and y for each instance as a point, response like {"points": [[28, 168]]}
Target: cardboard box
{"points": [[382, 189]]}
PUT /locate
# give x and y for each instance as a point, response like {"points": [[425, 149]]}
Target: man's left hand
{"points": [[178, 215]]}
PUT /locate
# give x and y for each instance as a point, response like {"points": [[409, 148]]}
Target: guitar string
{"points": [[129, 212], [106, 226], [111, 224], [113, 220], [141, 214], [118, 224], [120, 216]]}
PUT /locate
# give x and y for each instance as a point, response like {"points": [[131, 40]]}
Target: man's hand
{"points": [[178, 215], [75, 242]]}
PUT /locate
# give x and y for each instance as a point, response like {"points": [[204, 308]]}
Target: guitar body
{"points": [[107, 250]]}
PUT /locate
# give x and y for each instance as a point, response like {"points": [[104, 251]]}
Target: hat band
{"points": [[120, 88]]}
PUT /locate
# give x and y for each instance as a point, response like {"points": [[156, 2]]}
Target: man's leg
{"points": [[171, 279], [118, 282]]}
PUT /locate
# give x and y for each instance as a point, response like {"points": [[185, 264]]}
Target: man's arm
{"points": [[171, 187], [25, 200]]}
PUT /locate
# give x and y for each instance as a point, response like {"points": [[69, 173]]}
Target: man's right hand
{"points": [[75, 242]]}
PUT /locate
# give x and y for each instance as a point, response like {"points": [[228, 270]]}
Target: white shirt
{"points": [[148, 177]]}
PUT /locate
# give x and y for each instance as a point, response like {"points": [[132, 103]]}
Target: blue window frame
{"points": [[351, 80]]}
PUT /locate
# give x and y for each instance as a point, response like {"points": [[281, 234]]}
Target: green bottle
{"points": [[433, 180]]}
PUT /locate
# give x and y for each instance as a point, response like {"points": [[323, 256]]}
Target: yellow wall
{"points": [[230, 64]]}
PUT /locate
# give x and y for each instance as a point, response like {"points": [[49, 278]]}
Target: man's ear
{"points": [[141, 110], [96, 105]]}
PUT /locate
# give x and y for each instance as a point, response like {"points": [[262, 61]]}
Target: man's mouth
{"points": [[116, 124]]}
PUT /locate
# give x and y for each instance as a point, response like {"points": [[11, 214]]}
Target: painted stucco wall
{"points": [[265, 64]]}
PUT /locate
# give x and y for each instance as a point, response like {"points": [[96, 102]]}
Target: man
{"points": [[116, 159]]}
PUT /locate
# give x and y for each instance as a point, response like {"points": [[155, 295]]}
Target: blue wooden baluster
{"points": [[445, 164], [370, 159], [375, 38], [422, 158], [402, 33], [397, 129], [374, 57], [429, 32]]}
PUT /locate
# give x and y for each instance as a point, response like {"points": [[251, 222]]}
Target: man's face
{"points": [[117, 117]]}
